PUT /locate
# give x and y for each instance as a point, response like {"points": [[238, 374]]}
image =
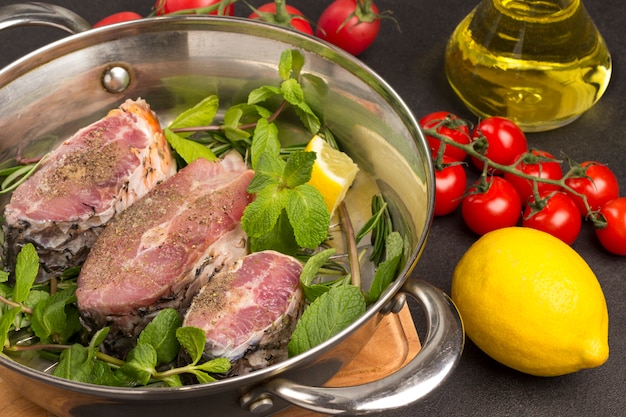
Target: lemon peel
{"points": [[532, 303], [333, 172]]}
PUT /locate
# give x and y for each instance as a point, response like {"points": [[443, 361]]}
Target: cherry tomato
{"points": [[170, 6], [498, 207], [505, 141], [597, 182], [540, 164], [556, 213], [448, 125], [450, 184], [118, 17], [287, 17], [352, 25], [613, 236]]}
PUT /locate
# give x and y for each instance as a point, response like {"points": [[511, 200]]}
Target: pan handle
{"points": [[42, 14], [434, 362]]}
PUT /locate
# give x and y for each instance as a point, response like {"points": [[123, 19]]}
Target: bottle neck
{"points": [[536, 8]]}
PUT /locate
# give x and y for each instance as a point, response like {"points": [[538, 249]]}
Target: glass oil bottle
{"points": [[540, 63]]}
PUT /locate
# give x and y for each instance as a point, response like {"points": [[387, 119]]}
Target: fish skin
{"points": [[98, 172]]}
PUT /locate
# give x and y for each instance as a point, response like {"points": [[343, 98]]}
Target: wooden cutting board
{"points": [[394, 343]]}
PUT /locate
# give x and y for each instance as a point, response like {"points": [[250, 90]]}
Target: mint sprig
{"points": [[157, 347]]}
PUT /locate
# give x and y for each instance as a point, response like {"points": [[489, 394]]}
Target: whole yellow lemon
{"points": [[532, 303]]}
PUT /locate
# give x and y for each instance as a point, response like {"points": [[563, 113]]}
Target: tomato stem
{"points": [[478, 148]]}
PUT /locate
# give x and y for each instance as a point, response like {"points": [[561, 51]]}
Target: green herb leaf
{"points": [[265, 141], [188, 149], [330, 313], [308, 215], [160, 333], [193, 340], [262, 93], [6, 321], [310, 272], [298, 168], [49, 318], [140, 364], [313, 265], [215, 366], [281, 238], [292, 92], [260, 216], [201, 114], [290, 64], [232, 119], [203, 377], [26, 268], [4, 276], [386, 271]]}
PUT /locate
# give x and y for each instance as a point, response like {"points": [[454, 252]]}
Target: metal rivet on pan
{"points": [[261, 405], [115, 79]]}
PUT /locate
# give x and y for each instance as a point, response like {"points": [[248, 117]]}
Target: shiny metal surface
{"points": [[437, 358], [174, 62]]}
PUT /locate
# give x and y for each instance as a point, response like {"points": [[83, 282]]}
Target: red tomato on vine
{"points": [[613, 235], [450, 184], [556, 214], [505, 141], [171, 6], [596, 182], [537, 163], [352, 25], [449, 125], [283, 15], [495, 207], [117, 18]]}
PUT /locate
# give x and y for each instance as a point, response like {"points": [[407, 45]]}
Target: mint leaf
{"points": [[280, 238], [201, 114], [188, 149], [313, 265], [330, 313], [260, 216], [265, 140], [386, 271], [262, 93], [292, 92], [26, 269], [290, 64], [160, 333], [308, 215], [203, 377], [6, 321], [140, 365], [49, 319], [193, 340], [232, 118], [298, 168], [215, 366], [4, 276], [310, 272]]}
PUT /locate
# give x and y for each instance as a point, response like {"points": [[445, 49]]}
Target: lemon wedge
{"points": [[333, 172]]}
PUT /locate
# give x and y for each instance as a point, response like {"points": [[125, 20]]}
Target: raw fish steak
{"points": [[249, 310], [160, 251], [98, 172]]}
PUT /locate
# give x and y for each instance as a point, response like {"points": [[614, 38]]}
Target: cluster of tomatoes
{"points": [[352, 25], [520, 184]]}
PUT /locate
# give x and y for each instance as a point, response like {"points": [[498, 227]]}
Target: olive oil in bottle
{"points": [[540, 63]]}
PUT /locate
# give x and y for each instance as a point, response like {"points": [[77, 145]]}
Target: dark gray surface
{"points": [[411, 61]]}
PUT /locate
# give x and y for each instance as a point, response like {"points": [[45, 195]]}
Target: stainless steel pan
{"points": [[172, 62]]}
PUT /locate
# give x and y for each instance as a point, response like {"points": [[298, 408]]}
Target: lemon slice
{"points": [[333, 172]]}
